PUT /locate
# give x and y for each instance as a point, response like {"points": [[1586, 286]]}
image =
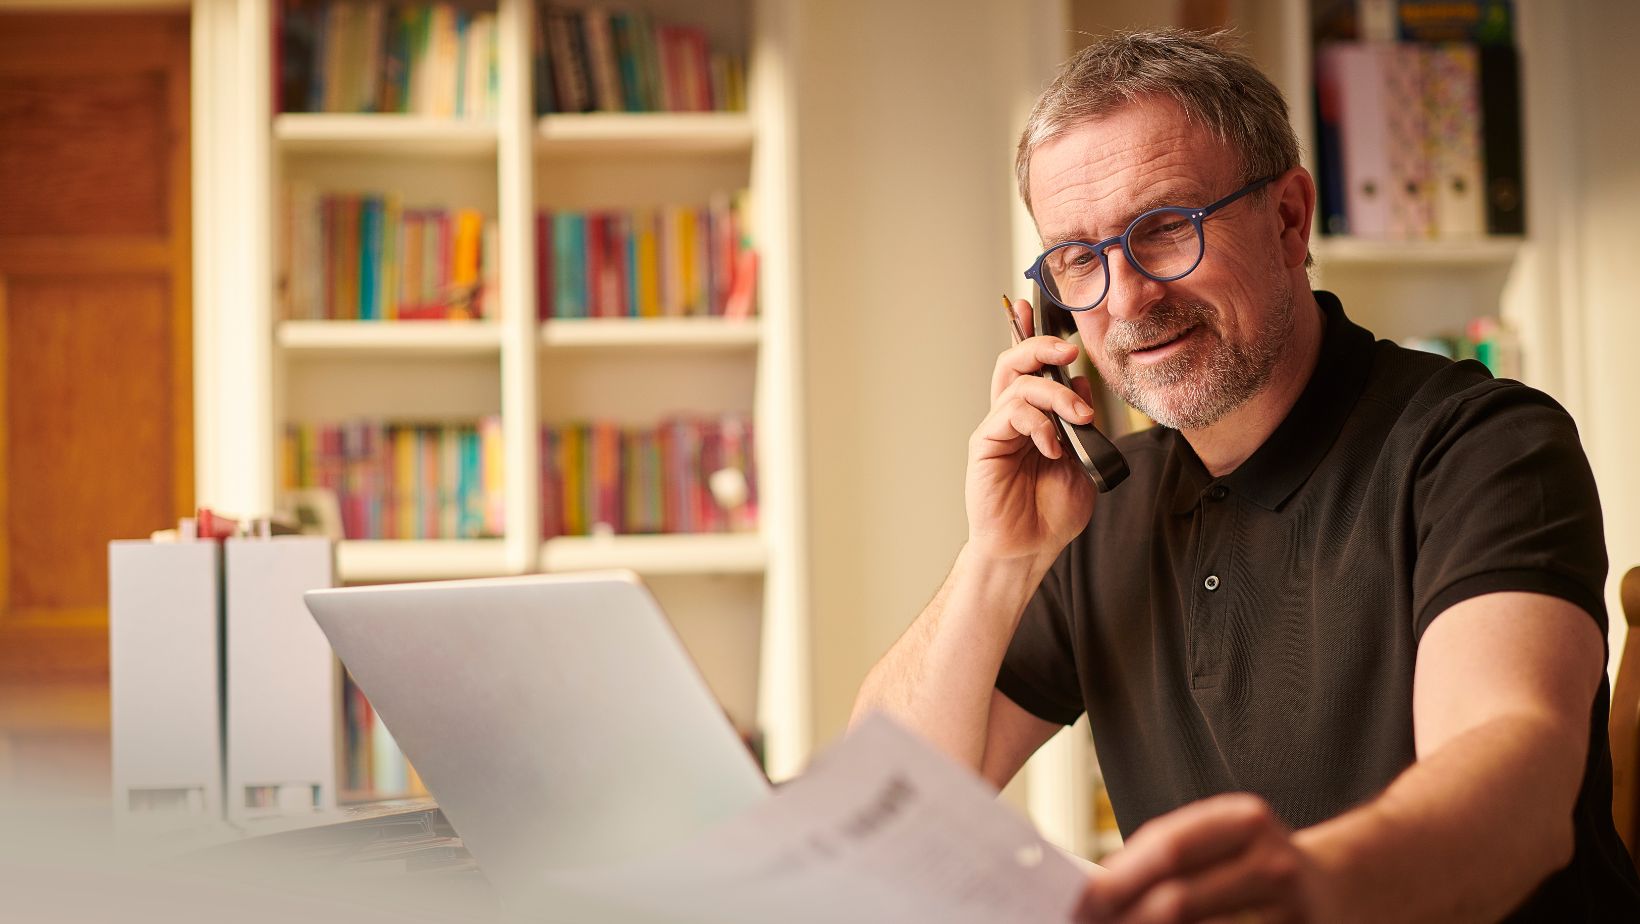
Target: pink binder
{"points": [[1357, 71]]}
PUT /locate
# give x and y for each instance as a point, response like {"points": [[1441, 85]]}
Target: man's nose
{"points": [[1131, 292]]}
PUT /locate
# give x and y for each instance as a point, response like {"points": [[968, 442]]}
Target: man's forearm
{"points": [[938, 677], [1465, 834]]}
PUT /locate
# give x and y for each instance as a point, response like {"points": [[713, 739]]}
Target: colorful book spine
{"points": [[684, 475], [672, 261], [593, 59], [1411, 195], [1420, 140], [437, 59], [367, 257], [1452, 119], [403, 481]]}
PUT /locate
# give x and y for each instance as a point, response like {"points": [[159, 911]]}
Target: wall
{"points": [[1605, 239], [908, 113]]}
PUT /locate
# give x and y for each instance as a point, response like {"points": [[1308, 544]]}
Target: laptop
{"points": [[557, 719]]}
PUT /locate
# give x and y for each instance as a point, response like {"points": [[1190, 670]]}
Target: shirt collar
{"points": [[1288, 457]]}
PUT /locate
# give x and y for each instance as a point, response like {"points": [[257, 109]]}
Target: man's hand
{"points": [[1027, 497], [1227, 858]]}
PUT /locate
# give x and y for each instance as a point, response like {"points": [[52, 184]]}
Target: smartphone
{"points": [[1100, 458]]}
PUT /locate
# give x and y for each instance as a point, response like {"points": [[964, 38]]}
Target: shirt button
{"points": [[1218, 492], [1212, 582]]}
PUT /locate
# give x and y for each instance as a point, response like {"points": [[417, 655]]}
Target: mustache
{"points": [[1163, 321]]}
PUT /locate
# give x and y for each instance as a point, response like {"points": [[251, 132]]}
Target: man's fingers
{"points": [[1179, 843], [1026, 357], [1017, 418], [1264, 877], [1084, 388], [1048, 395]]}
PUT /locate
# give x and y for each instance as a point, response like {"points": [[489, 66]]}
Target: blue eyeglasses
{"points": [[1164, 244]]}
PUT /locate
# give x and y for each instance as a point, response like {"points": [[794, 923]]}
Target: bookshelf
{"points": [[1396, 288], [384, 133], [405, 339], [738, 598], [633, 133]]}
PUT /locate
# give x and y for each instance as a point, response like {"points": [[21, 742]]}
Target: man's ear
{"points": [[1295, 209]]}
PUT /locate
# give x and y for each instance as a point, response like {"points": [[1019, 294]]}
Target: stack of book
{"points": [[373, 765], [597, 60], [403, 481], [366, 257], [671, 261], [686, 475], [432, 59], [1485, 339], [1418, 120]]}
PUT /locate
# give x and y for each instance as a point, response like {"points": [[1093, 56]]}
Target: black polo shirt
{"points": [[1258, 632]]}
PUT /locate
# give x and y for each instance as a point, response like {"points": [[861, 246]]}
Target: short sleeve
{"points": [[1039, 669], [1505, 501]]}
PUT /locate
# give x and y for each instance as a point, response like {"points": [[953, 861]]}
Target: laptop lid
{"points": [[557, 719]]}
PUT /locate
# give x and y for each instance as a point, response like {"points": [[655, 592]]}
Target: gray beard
{"points": [[1210, 377]]}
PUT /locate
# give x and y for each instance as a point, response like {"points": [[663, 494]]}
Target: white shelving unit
{"points": [[407, 339], [338, 133], [257, 372], [721, 554], [657, 333], [664, 133], [383, 560], [1344, 251], [1394, 288]]}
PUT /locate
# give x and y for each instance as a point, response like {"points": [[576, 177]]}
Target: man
{"points": [[1340, 636]]}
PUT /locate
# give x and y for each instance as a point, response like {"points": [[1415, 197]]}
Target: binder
{"points": [[1356, 71], [165, 677], [1411, 200], [1452, 119], [1500, 132], [283, 682]]}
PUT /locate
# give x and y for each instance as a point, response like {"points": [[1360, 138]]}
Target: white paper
{"points": [[881, 829]]}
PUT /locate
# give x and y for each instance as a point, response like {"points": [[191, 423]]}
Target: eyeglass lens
{"points": [[1163, 245]]}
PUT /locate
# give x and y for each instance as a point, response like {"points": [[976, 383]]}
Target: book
{"points": [[366, 257], [610, 61], [1356, 73], [373, 56], [601, 61], [601, 477], [1406, 141], [1452, 120], [1501, 162], [403, 480], [1482, 22]]}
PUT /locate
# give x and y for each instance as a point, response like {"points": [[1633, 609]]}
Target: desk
{"points": [[399, 858]]}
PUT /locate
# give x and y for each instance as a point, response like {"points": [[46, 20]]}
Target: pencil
{"points": [[1013, 322]]}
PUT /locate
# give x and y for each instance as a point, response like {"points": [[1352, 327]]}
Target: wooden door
{"points": [[95, 353]]}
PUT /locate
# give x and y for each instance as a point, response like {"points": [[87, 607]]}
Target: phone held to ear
{"points": [[1098, 456]]}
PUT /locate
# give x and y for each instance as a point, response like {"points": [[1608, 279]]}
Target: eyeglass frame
{"points": [[1102, 249]]}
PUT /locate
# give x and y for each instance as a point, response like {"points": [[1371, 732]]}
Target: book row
{"points": [[370, 258], [685, 475], [670, 261], [1419, 141], [1486, 22], [371, 760], [403, 481], [1485, 339], [597, 60], [433, 59]]}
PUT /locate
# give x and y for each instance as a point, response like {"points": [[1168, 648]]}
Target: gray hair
{"points": [[1216, 86]]}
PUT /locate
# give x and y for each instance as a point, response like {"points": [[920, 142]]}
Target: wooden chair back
{"points": [[1624, 727]]}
